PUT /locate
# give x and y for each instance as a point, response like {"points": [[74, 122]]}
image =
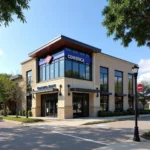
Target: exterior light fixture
{"points": [[68, 89], [60, 86], [97, 92], [136, 129]]}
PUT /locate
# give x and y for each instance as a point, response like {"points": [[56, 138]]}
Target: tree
{"points": [[8, 8], [128, 20], [144, 96], [5, 84], [9, 91], [15, 94]]}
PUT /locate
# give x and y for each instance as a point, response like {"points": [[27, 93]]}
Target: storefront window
{"points": [[118, 82], [61, 67], [118, 103], [104, 102]]}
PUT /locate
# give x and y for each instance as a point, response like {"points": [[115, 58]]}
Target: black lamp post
{"points": [[136, 129]]}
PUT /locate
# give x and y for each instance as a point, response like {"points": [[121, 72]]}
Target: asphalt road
{"points": [[45, 137]]}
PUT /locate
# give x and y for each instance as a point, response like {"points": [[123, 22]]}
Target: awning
{"points": [[120, 94], [130, 95], [105, 93], [45, 90], [83, 90]]}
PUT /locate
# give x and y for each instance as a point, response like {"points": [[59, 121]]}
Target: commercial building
{"points": [[71, 79]]}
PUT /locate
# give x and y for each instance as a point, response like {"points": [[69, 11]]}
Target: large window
{"points": [[104, 79], [118, 103], [118, 82], [53, 70], [29, 76], [78, 69], [130, 84], [66, 62], [104, 102], [29, 81]]}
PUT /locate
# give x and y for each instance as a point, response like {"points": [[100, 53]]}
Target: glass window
{"points": [[75, 69], [130, 102], [56, 68], [43, 73], [104, 79], [61, 67], [118, 103], [82, 71], [52, 70], [130, 84], [29, 76], [47, 72], [104, 102], [88, 72], [118, 82], [68, 71]]}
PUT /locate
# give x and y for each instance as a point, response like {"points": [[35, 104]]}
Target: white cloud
{"points": [[144, 77], [1, 52], [144, 65]]}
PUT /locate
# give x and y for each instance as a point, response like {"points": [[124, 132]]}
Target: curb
{"points": [[11, 121]]}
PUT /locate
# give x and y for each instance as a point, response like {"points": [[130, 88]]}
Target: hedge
{"points": [[121, 113]]}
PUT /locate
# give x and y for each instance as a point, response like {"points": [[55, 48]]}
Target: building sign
{"points": [[76, 58], [48, 59], [48, 87], [65, 53]]}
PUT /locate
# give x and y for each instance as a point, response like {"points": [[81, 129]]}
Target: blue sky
{"points": [[77, 19]]}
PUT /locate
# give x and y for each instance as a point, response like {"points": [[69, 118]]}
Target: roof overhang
{"points": [[63, 41]]}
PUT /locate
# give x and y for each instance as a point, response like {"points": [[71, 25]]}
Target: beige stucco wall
{"points": [[112, 64]]}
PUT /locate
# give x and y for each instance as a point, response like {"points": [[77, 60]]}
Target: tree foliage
{"points": [[8, 8], [9, 91], [128, 20], [144, 96]]}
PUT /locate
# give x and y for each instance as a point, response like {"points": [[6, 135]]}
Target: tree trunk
{"points": [[5, 112], [16, 109]]}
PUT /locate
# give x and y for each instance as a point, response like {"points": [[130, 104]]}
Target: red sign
{"points": [[140, 87], [48, 59]]}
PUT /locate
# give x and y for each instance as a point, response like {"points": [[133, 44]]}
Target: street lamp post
{"points": [[136, 130]]}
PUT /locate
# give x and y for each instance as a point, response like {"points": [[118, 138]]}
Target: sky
{"points": [[80, 20]]}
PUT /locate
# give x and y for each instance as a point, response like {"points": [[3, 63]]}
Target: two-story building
{"points": [[72, 79]]}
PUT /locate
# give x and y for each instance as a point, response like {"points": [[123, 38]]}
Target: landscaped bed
{"points": [[146, 135], [23, 120]]}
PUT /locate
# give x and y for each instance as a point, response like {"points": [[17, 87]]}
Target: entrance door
{"points": [[80, 105], [49, 105]]}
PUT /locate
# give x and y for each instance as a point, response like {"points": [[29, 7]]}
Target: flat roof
{"points": [[62, 41]]}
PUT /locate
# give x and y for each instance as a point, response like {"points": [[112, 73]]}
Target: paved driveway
{"points": [[44, 137]]}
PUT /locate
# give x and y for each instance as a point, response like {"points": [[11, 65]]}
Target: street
{"points": [[44, 137]]}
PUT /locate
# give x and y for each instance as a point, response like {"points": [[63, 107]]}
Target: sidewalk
{"points": [[129, 145], [80, 121]]}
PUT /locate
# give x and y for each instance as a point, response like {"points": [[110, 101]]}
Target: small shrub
{"points": [[30, 113], [1, 112], [23, 112]]}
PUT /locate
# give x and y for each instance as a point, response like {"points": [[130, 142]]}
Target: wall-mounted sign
{"points": [[76, 58], [47, 87]]}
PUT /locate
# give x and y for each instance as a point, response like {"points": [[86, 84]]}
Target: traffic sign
{"points": [[140, 87]]}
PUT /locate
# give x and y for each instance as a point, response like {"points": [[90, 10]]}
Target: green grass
{"points": [[106, 121], [146, 135], [23, 120]]}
